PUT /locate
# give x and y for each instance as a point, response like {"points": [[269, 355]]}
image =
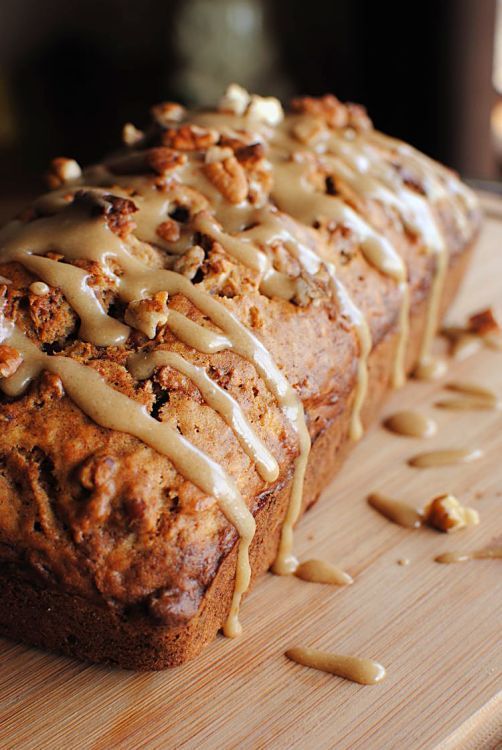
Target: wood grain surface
{"points": [[435, 627]]}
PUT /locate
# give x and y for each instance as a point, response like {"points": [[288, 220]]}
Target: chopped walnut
{"points": [[116, 209], [258, 171], [146, 314], [230, 139], [51, 385], [10, 360], [358, 117], [235, 100], [447, 514], [327, 108], [255, 317], [187, 200], [166, 113], [118, 214], [62, 171], [483, 322], [162, 159], [217, 267], [306, 291], [229, 178], [169, 230], [190, 138], [284, 261], [238, 101], [189, 263], [96, 471], [131, 135], [309, 130], [265, 109], [217, 153], [250, 155]]}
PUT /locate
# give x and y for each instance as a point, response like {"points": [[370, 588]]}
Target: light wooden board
{"points": [[434, 627]]}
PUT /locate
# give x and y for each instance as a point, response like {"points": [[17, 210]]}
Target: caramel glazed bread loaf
{"points": [[192, 335]]}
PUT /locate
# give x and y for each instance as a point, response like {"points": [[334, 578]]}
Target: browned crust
{"points": [[75, 626]]}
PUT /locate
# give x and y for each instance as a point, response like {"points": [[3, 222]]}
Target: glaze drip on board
{"points": [[471, 396], [320, 571], [396, 511], [363, 671], [448, 457], [489, 553], [411, 424]]}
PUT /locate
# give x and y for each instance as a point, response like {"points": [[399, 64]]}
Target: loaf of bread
{"points": [[192, 335]]}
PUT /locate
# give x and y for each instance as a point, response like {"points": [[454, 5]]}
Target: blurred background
{"points": [[71, 73]]}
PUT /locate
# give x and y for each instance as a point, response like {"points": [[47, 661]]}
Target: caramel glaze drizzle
{"points": [[78, 236], [439, 182], [91, 238], [363, 671], [143, 364]]}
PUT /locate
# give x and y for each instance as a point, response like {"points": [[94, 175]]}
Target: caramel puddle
{"points": [[320, 571], [472, 396], [467, 403], [490, 553], [411, 424], [444, 458], [396, 510], [363, 671], [471, 389]]}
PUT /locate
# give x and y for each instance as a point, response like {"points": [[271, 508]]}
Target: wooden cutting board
{"points": [[436, 628]]}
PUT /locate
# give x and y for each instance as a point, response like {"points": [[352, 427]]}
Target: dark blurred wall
{"points": [[422, 69], [72, 72]]}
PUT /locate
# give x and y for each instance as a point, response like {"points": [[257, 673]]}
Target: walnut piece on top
{"points": [[229, 177], [62, 171], [146, 314], [10, 360], [483, 322]]}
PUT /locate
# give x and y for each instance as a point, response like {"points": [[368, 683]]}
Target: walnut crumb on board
{"points": [[446, 513]]}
